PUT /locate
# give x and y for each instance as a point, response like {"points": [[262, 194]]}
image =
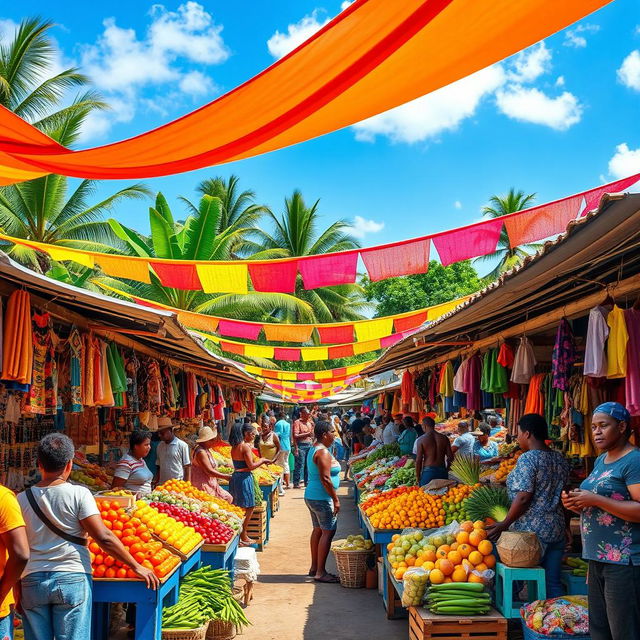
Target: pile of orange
{"points": [[463, 560], [136, 537], [187, 489], [405, 507], [507, 466], [177, 534], [456, 494]]}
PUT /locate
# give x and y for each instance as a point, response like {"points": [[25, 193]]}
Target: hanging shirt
{"points": [[563, 356], [632, 381], [524, 363], [505, 355], [617, 344], [595, 356]]}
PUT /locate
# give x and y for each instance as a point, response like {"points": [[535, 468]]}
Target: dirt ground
{"points": [[287, 605]]}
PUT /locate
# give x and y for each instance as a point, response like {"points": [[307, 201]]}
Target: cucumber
{"points": [[465, 586], [465, 611], [460, 602]]}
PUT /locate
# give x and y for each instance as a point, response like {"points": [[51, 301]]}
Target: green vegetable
{"points": [[466, 611], [466, 468], [488, 502], [257, 491], [464, 586]]}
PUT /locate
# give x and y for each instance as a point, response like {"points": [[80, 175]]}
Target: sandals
{"points": [[328, 578]]}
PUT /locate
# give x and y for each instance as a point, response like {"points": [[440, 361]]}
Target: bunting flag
{"points": [[353, 68], [329, 269], [340, 373], [342, 334]]}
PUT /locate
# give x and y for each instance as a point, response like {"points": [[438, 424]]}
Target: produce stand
{"points": [[220, 556], [149, 604], [424, 625], [257, 527], [392, 593], [267, 491], [192, 561]]}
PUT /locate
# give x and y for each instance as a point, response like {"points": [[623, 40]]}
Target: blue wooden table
{"points": [[221, 556], [192, 561], [394, 589], [149, 604], [267, 490]]}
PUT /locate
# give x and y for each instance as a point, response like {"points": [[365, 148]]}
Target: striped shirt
{"points": [[135, 473]]}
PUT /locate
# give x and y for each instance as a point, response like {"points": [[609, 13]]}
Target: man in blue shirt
{"points": [[282, 429]]}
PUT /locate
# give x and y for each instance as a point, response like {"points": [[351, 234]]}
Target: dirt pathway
{"points": [[287, 605]]}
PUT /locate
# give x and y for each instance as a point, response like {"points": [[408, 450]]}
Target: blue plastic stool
{"points": [[506, 576]]}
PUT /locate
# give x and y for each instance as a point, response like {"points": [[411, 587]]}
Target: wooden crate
{"points": [[424, 625], [275, 501], [257, 528]]}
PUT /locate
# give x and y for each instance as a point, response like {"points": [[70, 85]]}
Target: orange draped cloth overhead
{"points": [[375, 55]]}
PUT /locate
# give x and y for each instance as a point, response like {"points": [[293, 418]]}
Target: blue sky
{"points": [[558, 118]]}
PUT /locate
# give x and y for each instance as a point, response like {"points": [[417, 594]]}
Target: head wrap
{"points": [[615, 410]]}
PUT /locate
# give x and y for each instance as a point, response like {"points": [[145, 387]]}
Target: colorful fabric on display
{"points": [[563, 356], [632, 380], [595, 355], [43, 395], [76, 347], [617, 344], [524, 362], [17, 347], [505, 355]]}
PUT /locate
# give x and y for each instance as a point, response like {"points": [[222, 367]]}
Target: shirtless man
{"points": [[434, 454]]}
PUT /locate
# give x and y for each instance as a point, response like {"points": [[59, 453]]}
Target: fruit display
{"points": [[466, 468], [188, 490], [205, 594], [465, 599], [177, 533], [449, 555], [405, 475], [117, 492], [505, 449], [223, 449], [353, 543], [568, 615], [221, 459], [208, 528], [265, 476], [136, 537], [383, 451], [257, 491], [454, 502], [415, 583], [577, 566], [488, 502], [404, 507], [507, 466], [376, 474]]}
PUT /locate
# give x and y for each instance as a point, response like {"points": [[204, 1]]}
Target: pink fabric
{"points": [[388, 341], [279, 277], [399, 260], [285, 353], [305, 376], [238, 329], [178, 276], [632, 381], [329, 270], [335, 335], [592, 197], [471, 383], [469, 242]]}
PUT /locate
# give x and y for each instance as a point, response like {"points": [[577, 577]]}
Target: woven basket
{"points": [[185, 634], [221, 630], [352, 567]]}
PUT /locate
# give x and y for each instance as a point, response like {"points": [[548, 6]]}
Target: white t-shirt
{"points": [[135, 473], [65, 505], [465, 444], [391, 433], [171, 458]]}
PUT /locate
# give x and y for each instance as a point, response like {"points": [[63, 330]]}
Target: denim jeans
{"points": [[551, 562], [300, 471], [614, 596], [6, 627], [56, 603]]}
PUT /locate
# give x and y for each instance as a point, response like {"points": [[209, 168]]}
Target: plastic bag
{"points": [[415, 581]]}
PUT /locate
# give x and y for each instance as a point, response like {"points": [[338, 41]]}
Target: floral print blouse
{"points": [[605, 537]]}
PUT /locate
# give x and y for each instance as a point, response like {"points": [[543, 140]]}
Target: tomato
{"points": [[127, 540], [156, 559], [145, 536], [117, 533], [128, 531], [135, 548], [110, 573], [99, 570], [140, 529], [99, 559], [112, 515], [135, 522], [117, 526], [123, 517], [121, 573], [108, 524], [115, 505], [139, 556], [94, 548], [131, 573], [109, 561]]}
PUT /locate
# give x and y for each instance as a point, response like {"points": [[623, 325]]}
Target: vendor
{"points": [[391, 431], [485, 449], [465, 441], [131, 472], [204, 472], [173, 461], [268, 441], [408, 436], [535, 487], [433, 454], [608, 502]]}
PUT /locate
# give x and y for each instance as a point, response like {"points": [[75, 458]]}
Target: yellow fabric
{"points": [[373, 329], [10, 518], [617, 344], [446, 382], [357, 368], [122, 267], [258, 351], [433, 313], [364, 347], [230, 278], [314, 353], [287, 332], [58, 254], [323, 375]]}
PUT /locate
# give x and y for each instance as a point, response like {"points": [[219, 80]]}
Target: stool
{"points": [[506, 576]]}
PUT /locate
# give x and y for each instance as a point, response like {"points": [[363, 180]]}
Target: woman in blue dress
{"points": [[244, 462]]}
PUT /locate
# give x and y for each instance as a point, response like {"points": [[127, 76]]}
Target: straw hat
{"points": [[165, 422], [206, 433]]}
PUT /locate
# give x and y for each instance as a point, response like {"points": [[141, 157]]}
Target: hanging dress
{"points": [[43, 397]]}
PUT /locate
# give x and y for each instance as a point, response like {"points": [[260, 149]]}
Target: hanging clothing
{"points": [[632, 381], [595, 355], [563, 356], [617, 344], [473, 373], [117, 374], [406, 389], [524, 363], [17, 348], [505, 355], [535, 398], [498, 378], [76, 347], [446, 380], [43, 398]]}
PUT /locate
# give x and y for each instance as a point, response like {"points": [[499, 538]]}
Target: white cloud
{"points": [[575, 37], [345, 4], [457, 204], [560, 81], [629, 72], [531, 63], [529, 104], [428, 116], [196, 83], [362, 226], [625, 161], [279, 44]]}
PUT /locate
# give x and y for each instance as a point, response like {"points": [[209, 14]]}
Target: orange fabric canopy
{"points": [[373, 56]]}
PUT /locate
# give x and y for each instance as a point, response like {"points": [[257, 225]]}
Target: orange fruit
{"points": [[110, 573], [481, 567], [490, 561], [441, 553], [390, 546], [475, 578], [464, 550], [467, 526], [436, 576], [485, 547], [467, 565], [455, 557], [428, 565], [99, 571], [430, 555], [459, 575], [399, 573], [475, 558], [121, 573], [454, 546], [479, 524], [448, 580], [462, 537], [446, 566], [477, 536]]}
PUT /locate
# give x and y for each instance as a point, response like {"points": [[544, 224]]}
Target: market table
{"points": [[191, 561], [221, 556], [393, 589], [267, 490], [149, 604]]}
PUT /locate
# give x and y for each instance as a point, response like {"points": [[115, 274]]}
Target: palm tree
{"points": [[40, 209], [506, 256], [296, 234]]}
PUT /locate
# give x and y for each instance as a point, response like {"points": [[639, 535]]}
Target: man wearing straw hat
{"points": [[172, 456]]}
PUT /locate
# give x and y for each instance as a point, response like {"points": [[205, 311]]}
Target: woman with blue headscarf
{"points": [[608, 502]]}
